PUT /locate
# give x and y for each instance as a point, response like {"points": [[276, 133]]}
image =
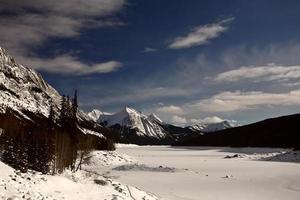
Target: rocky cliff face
{"points": [[26, 96], [23, 89]]}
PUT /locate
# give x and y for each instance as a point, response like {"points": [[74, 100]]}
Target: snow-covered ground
{"points": [[203, 173], [168, 173], [91, 183]]}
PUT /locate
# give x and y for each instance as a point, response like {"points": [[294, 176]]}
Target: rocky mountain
{"points": [[95, 114], [134, 127], [23, 89], [26, 97]]}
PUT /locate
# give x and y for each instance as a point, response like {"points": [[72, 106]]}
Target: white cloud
{"points": [[200, 35], [169, 109], [177, 120], [66, 7], [226, 104], [25, 30], [239, 101], [203, 69], [149, 50], [207, 120], [260, 73], [67, 64]]}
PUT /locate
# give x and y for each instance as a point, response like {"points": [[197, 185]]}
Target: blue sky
{"points": [[187, 61]]}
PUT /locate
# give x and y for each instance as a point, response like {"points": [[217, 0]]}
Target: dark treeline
{"points": [[48, 144]]}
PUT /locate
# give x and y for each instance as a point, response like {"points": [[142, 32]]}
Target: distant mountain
{"points": [[212, 127], [134, 127], [95, 114], [275, 132], [25, 97]]}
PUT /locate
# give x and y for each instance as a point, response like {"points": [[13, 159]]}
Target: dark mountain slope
{"points": [[276, 132]]}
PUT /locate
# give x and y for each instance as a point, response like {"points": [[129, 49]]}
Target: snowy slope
{"points": [[148, 126], [70, 186]]}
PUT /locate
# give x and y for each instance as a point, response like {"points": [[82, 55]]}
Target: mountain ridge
{"points": [[130, 122], [280, 131], [26, 96]]}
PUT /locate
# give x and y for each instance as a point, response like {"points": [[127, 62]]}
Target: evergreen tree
{"points": [[75, 106], [51, 117], [63, 111]]}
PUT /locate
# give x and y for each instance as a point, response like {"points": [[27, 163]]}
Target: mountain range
{"points": [[136, 127], [281, 131]]}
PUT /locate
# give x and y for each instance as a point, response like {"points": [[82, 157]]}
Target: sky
{"points": [[186, 61]]}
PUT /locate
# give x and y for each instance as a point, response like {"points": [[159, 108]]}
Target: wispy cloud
{"points": [[239, 101], [149, 50], [225, 103], [67, 64], [200, 35], [26, 29], [260, 73]]}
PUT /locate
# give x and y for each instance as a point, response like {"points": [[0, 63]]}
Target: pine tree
{"points": [[51, 117], [75, 106], [63, 111]]}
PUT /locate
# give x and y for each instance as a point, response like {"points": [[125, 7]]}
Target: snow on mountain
{"points": [[24, 90], [211, 127], [148, 126], [155, 119], [95, 114]]}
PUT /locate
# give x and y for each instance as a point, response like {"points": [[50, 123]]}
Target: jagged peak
{"points": [[95, 114], [5, 58], [129, 109], [24, 88], [2, 50]]}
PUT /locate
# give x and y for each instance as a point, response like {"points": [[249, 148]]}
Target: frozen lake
{"points": [[203, 173]]}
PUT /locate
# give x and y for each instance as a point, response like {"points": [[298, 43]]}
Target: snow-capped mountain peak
{"points": [[126, 117], [95, 114], [147, 126]]}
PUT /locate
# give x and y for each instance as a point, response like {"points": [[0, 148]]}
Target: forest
{"points": [[49, 144]]}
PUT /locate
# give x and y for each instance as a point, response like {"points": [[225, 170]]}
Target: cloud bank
{"points": [[238, 101], [26, 25]]}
